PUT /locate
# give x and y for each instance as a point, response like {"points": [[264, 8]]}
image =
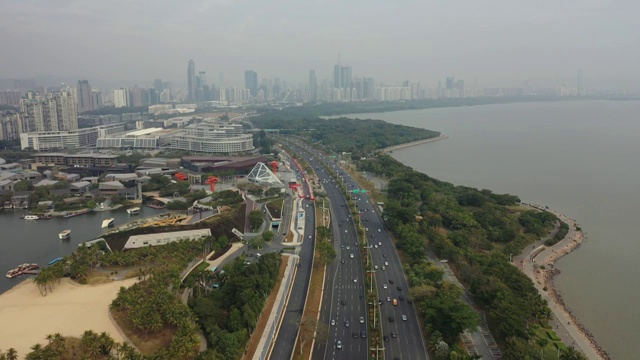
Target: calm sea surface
{"points": [[36, 241], [581, 158]]}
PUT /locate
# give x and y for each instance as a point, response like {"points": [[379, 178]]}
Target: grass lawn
{"points": [[551, 348]]}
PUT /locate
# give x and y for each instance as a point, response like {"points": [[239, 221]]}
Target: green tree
{"points": [[267, 236], [327, 252], [255, 219], [23, 185], [323, 233], [257, 243], [448, 314]]}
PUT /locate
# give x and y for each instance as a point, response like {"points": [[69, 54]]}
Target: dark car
{"points": [[386, 338], [399, 288], [390, 281], [343, 302], [409, 301], [363, 334], [400, 297], [393, 335], [361, 297], [354, 334], [390, 318]]}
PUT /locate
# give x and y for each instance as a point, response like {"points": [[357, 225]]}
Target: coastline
{"points": [[413, 143], [540, 268]]}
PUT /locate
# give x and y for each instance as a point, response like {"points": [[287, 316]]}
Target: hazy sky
{"points": [[496, 42]]}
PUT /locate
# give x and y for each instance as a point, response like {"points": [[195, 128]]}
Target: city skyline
{"points": [[497, 43]]}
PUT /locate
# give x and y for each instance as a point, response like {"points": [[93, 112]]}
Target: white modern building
{"points": [[213, 138], [69, 139]]}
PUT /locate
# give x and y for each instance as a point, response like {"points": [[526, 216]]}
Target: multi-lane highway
{"points": [[402, 338]]}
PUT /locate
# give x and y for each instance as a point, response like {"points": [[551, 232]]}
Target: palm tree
{"points": [[571, 353], [12, 354], [106, 343]]}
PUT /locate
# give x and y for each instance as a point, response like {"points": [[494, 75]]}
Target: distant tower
{"points": [[85, 99], [313, 86], [251, 82], [191, 81], [579, 85]]}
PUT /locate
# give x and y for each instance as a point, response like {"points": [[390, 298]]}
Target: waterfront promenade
{"points": [[564, 323]]}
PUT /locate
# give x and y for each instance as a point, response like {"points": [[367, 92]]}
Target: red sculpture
{"points": [[212, 180], [181, 176], [274, 166]]}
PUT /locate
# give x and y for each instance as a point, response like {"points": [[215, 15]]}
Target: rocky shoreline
{"points": [[545, 274]]}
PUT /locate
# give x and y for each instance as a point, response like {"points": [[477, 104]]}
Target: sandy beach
{"points": [[70, 310], [566, 323]]}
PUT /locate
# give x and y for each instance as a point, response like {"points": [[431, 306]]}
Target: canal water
{"points": [[36, 241]]}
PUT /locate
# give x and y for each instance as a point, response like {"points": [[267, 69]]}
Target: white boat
{"points": [[133, 211], [31, 217], [64, 234], [107, 222]]}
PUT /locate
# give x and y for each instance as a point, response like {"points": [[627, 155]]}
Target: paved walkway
{"points": [[562, 323]]}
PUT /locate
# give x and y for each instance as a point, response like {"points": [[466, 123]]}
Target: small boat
{"points": [[77, 213], [22, 269], [133, 211], [153, 206], [31, 217], [58, 259], [64, 234], [107, 222], [45, 217]]}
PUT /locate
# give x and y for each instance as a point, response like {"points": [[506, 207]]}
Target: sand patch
{"points": [[28, 317]]}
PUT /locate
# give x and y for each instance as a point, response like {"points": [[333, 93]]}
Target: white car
{"points": [[361, 320], [404, 317], [379, 230], [339, 344], [355, 280], [376, 267], [380, 243], [351, 256], [333, 322], [375, 246], [386, 263], [384, 286]]}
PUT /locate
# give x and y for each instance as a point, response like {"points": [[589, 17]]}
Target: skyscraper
{"points": [[120, 97], [192, 84], [313, 86], [85, 98], [251, 82], [157, 85], [341, 76]]}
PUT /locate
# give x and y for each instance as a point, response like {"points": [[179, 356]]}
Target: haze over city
{"points": [[497, 43]]}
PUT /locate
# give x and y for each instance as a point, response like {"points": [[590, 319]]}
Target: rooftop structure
{"points": [[204, 164]]}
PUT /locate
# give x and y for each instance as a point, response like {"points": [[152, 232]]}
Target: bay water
{"points": [[581, 158]]}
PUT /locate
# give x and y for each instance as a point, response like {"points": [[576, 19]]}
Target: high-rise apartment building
{"points": [[10, 97], [121, 98], [251, 82], [313, 87], [9, 125], [96, 99], [192, 84], [53, 112], [85, 100]]}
